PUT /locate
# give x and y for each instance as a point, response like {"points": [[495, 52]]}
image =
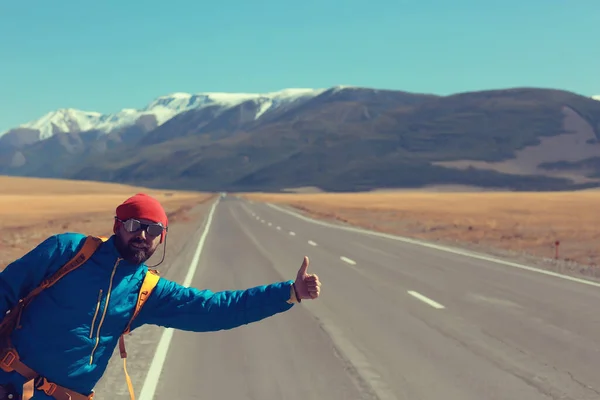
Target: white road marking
{"points": [[270, 224], [312, 243], [262, 221], [278, 228], [292, 233], [426, 300], [151, 381], [349, 261], [447, 249], [343, 343]]}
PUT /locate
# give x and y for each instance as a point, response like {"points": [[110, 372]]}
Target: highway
{"points": [[395, 320]]}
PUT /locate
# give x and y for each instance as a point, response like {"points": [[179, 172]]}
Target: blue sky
{"points": [[104, 56]]}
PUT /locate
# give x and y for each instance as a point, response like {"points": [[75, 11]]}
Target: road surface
{"points": [[394, 321]]}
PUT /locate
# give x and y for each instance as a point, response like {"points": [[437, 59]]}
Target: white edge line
{"points": [[151, 381], [312, 243], [440, 248], [349, 261], [426, 300]]}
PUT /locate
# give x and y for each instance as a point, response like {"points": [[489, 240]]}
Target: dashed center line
{"points": [[270, 224], [349, 261], [426, 299], [292, 233], [312, 243], [278, 228]]}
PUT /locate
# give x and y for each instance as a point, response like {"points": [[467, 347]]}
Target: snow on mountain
{"points": [[163, 108], [597, 97], [64, 120]]}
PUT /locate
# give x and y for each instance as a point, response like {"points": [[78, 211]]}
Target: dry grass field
{"points": [[32, 209], [518, 223]]}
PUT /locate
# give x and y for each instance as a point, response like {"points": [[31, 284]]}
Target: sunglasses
{"points": [[133, 225]]}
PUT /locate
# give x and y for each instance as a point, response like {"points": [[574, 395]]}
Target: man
{"points": [[68, 333]]}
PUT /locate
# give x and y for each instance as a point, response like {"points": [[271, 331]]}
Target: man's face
{"points": [[138, 246]]}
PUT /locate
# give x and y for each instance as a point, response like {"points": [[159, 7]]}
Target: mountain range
{"points": [[343, 138]]}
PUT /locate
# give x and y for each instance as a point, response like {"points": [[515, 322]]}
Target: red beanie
{"points": [[142, 206]]}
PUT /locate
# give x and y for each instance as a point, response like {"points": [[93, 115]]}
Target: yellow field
{"points": [[32, 209], [527, 223]]}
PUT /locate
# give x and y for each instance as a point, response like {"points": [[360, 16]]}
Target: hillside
{"points": [[340, 139]]}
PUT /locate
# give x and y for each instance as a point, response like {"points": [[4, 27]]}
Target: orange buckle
{"points": [[46, 386], [7, 360]]}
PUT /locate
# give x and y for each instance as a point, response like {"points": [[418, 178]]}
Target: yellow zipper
{"points": [[96, 313], [104, 312]]}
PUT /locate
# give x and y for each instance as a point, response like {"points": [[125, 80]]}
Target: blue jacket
{"points": [[69, 332]]}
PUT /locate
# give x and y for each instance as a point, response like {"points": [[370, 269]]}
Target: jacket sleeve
{"points": [[27, 272], [174, 306]]}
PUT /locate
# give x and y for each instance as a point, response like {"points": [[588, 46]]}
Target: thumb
{"points": [[303, 267]]}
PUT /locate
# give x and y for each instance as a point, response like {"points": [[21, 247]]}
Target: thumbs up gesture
{"points": [[307, 285]]}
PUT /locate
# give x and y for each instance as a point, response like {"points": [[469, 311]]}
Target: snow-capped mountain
{"points": [[63, 120], [162, 108], [305, 137]]}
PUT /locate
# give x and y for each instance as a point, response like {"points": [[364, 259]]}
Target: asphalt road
{"points": [[395, 320]]}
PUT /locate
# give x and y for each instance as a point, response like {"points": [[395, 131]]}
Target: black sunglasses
{"points": [[133, 225]]}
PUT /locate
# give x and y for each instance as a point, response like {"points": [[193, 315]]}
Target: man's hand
{"points": [[308, 286]]}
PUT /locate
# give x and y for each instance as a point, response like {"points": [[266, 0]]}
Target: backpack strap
{"points": [[12, 320], [89, 247], [150, 280]]}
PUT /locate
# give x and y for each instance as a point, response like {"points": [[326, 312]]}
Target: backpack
{"points": [[12, 318]]}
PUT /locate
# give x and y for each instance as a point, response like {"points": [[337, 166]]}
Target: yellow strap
{"points": [[148, 285], [128, 379]]}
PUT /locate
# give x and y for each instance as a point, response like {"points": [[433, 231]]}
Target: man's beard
{"points": [[132, 254]]}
